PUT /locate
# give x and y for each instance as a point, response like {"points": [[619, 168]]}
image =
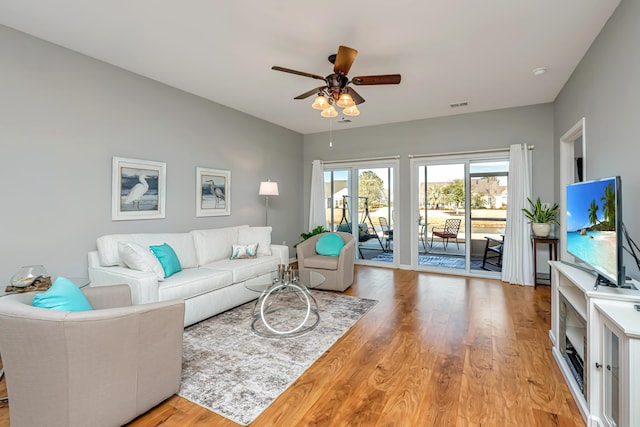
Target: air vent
{"points": [[459, 104]]}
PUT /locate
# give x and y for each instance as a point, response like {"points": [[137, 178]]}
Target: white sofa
{"points": [[209, 282]]}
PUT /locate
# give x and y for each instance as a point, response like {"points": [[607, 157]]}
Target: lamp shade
{"points": [[320, 103], [351, 111], [268, 188], [345, 101], [329, 112]]}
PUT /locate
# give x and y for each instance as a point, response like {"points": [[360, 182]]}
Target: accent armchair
{"points": [[95, 368], [337, 270]]}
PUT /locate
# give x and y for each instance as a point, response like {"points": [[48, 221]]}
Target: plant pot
{"points": [[541, 229]]}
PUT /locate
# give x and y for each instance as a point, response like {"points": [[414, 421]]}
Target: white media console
{"points": [[596, 343]]}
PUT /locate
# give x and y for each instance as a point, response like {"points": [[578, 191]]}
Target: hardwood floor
{"points": [[436, 350]]}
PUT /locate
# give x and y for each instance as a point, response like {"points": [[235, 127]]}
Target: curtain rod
{"points": [[331, 162], [493, 150]]}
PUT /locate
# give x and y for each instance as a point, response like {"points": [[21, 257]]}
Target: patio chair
{"points": [[449, 231], [387, 233], [493, 253]]}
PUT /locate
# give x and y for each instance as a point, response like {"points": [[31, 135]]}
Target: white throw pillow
{"points": [[137, 257], [262, 235]]}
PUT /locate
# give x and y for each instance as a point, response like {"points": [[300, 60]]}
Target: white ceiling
{"points": [[447, 51]]}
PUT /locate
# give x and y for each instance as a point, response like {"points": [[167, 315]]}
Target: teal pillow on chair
{"points": [[168, 259], [329, 244], [63, 295]]}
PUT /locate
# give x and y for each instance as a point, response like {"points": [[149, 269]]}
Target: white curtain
{"points": [[317, 208], [517, 263]]}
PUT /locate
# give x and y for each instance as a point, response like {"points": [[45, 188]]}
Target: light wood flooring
{"points": [[436, 350]]}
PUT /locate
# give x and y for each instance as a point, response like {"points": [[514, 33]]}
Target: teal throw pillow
{"points": [[329, 244], [168, 259], [63, 295]]}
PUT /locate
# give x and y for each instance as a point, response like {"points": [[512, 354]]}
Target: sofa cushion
{"points": [[192, 282], [322, 262], [182, 244], [168, 259], [243, 269], [137, 257], [215, 244], [262, 235], [63, 295]]}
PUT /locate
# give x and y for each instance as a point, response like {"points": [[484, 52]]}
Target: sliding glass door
{"points": [[360, 201], [441, 222], [460, 213]]}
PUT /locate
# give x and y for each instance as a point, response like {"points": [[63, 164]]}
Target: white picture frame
{"points": [[213, 192], [138, 189]]}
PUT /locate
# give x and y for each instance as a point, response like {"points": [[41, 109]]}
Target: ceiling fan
{"points": [[336, 89]]}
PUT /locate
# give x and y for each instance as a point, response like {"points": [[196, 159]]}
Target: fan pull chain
{"points": [[330, 134]]}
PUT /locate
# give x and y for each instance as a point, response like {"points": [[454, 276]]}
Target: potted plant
{"points": [[541, 217], [318, 230]]}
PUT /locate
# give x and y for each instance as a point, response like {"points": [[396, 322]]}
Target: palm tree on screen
{"points": [[593, 213], [609, 206]]}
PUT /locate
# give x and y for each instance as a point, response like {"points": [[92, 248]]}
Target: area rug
{"points": [[230, 370]]}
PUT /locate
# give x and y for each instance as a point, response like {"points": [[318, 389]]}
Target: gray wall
{"points": [[605, 88], [475, 131], [63, 116]]}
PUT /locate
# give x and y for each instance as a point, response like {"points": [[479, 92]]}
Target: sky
{"points": [[579, 197]]}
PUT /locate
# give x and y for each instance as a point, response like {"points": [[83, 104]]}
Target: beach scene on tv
{"points": [[591, 224]]}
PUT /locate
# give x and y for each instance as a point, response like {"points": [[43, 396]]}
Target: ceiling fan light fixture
{"points": [[320, 103], [345, 101], [351, 111], [329, 112]]}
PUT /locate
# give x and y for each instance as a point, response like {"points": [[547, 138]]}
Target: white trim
{"points": [[370, 159], [466, 153], [567, 174]]}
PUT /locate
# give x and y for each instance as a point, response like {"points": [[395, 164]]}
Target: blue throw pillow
{"points": [[168, 259], [63, 295], [329, 244]]}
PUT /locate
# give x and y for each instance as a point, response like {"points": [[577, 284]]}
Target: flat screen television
{"points": [[594, 227]]}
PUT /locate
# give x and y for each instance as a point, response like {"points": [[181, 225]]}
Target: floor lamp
{"points": [[268, 188]]}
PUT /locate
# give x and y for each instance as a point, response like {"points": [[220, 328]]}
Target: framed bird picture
{"points": [[138, 189], [213, 192]]}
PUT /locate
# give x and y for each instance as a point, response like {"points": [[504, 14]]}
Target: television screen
{"points": [[594, 226]]}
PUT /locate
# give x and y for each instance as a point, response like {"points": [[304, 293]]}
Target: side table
{"points": [[553, 256]]}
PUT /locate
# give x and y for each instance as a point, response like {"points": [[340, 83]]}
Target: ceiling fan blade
{"points": [[311, 92], [386, 79], [344, 60], [300, 73], [355, 96]]}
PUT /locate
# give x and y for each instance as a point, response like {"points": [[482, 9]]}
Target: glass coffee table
{"points": [[285, 307]]}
